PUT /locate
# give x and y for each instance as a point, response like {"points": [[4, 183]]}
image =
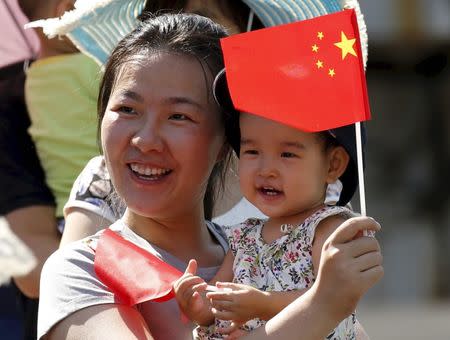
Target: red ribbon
{"points": [[133, 274]]}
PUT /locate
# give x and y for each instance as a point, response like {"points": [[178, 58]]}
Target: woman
{"points": [[164, 144], [92, 204]]}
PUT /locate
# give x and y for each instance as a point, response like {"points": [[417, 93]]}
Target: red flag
{"points": [[308, 74], [133, 274]]}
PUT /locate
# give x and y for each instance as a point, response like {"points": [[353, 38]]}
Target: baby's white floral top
{"points": [[282, 265]]}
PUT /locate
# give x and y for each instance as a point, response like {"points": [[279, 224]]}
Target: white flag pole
{"points": [[359, 156], [362, 190], [250, 20]]}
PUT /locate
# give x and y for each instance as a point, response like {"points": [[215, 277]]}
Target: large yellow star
{"points": [[346, 45]]}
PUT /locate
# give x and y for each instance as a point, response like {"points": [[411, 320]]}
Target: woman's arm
{"points": [[348, 268], [111, 322]]}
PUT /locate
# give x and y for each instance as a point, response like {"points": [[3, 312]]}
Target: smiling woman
{"points": [[163, 139]]}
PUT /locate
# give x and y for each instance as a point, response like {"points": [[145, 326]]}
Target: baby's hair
{"points": [[180, 34], [328, 140]]}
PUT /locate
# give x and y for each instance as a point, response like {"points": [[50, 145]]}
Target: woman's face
{"points": [[161, 135]]}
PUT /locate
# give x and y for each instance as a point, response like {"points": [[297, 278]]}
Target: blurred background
{"points": [[408, 163]]}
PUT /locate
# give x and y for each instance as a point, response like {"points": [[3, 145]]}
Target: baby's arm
{"points": [[240, 303]]}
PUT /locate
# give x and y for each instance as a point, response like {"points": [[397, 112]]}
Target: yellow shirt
{"points": [[61, 95]]}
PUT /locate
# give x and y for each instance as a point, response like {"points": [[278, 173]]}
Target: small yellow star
{"points": [[346, 45], [320, 35], [319, 64], [331, 72], [315, 48]]}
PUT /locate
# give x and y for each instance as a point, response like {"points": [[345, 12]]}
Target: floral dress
{"points": [[282, 265]]}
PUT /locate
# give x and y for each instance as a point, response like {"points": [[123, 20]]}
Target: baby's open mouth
{"points": [[270, 191]]}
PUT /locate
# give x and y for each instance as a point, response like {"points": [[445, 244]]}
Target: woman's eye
{"points": [[288, 155], [126, 109], [178, 116]]}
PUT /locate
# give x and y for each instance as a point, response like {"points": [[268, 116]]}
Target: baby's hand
{"points": [[189, 293], [236, 302]]}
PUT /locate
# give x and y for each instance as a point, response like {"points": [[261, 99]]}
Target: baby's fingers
{"points": [[223, 314], [220, 296], [222, 305]]}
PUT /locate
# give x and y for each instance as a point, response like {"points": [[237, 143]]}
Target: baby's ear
{"points": [[338, 162]]}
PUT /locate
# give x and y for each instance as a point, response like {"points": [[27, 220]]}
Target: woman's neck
{"points": [[185, 237]]}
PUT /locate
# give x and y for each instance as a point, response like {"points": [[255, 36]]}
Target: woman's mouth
{"points": [[149, 173]]}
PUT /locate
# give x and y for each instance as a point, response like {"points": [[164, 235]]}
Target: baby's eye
{"points": [[288, 155], [126, 109], [249, 152]]}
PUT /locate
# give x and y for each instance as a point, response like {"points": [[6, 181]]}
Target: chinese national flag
{"points": [[308, 74], [133, 274]]}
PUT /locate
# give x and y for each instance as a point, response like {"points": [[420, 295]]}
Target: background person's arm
{"points": [[36, 227], [109, 322]]}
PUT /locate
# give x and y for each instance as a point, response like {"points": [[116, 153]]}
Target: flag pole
{"points": [[362, 191]]}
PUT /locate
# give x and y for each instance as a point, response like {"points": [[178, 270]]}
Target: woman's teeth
{"points": [[148, 171]]}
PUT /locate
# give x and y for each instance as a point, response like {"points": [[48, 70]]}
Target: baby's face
{"points": [[282, 171]]}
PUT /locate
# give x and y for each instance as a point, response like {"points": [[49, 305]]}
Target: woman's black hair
{"points": [[182, 34]]}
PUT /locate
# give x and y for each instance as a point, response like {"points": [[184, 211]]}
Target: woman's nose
{"points": [[148, 137]]}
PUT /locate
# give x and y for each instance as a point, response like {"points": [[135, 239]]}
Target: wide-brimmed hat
{"points": [[95, 26], [345, 136]]}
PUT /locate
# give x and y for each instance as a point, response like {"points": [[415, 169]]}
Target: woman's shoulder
{"points": [[69, 283]]}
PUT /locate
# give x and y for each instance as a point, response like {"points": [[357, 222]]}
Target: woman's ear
{"points": [[338, 162]]}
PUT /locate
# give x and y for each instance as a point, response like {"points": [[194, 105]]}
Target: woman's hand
{"points": [[350, 264], [189, 293]]}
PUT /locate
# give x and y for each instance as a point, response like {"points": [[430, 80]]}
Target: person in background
{"points": [[60, 93], [26, 201]]}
